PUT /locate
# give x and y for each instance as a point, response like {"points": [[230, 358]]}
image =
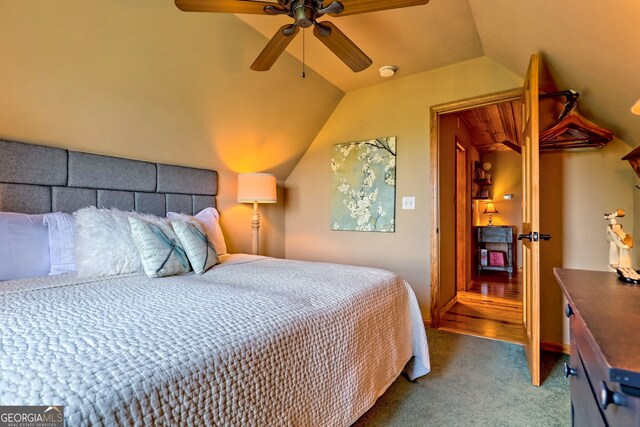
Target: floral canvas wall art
{"points": [[364, 185]]}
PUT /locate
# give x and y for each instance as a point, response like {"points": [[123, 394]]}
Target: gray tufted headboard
{"points": [[37, 179]]}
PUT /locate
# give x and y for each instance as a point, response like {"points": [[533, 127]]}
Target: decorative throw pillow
{"points": [[209, 220], [24, 246], [202, 255], [62, 234], [104, 245], [160, 250]]}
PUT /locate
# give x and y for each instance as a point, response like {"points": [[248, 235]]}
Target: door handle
{"points": [[534, 236]]}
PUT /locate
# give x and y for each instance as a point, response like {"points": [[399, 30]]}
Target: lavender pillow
{"points": [[24, 246]]}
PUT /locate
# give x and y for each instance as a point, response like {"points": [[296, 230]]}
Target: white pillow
{"points": [[209, 220], [201, 253], [24, 246], [62, 234], [104, 246]]}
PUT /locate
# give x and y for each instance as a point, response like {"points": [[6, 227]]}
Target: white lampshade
{"points": [[257, 188]]}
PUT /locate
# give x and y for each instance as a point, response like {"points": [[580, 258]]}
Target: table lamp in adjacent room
{"points": [[256, 188], [490, 209]]}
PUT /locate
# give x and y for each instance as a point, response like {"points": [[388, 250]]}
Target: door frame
{"points": [[434, 153], [462, 224]]}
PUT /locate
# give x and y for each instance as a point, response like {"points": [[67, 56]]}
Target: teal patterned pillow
{"points": [[202, 255], [161, 253]]}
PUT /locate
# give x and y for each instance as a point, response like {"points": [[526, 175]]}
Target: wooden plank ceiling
{"points": [[495, 127]]}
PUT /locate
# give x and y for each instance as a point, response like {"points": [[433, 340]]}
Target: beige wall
{"points": [[576, 188], [453, 130], [506, 174], [141, 79], [399, 107]]}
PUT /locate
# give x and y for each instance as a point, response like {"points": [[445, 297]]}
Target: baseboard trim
{"points": [[448, 305], [554, 347]]}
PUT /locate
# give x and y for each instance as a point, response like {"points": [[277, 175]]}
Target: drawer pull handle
{"points": [[568, 311], [569, 371], [608, 396]]}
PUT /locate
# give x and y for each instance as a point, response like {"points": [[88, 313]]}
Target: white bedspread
{"points": [[254, 341]]}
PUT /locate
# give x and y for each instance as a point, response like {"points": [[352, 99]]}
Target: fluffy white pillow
{"points": [[201, 253], [24, 246], [209, 220], [62, 234], [104, 245], [161, 252]]}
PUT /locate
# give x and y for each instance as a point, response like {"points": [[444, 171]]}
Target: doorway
{"points": [[483, 295]]}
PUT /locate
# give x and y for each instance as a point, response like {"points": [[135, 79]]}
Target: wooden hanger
{"points": [[574, 131]]}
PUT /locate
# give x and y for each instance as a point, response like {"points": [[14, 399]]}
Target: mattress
{"points": [[254, 341]]}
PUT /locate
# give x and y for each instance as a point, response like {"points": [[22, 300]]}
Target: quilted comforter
{"points": [[254, 341]]}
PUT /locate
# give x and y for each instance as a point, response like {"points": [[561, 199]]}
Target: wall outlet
{"points": [[408, 202]]}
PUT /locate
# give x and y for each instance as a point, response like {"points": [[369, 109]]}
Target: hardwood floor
{"points": [[491, 308]]}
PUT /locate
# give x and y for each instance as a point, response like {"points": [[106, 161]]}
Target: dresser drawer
{"points": [[495, 234], [619, 408], [584, 407]]}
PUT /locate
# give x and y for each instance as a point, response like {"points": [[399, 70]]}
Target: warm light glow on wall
{"points": [[635, 108]]}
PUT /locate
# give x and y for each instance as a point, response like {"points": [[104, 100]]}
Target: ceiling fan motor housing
{"points": [[304, 12]]}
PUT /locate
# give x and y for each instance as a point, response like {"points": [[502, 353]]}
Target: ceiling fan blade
{"points": [[224, 6], [352, 7], [340, 44], [275, 47]]}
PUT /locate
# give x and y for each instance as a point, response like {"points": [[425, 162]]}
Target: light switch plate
{"points": [[409, 202]]}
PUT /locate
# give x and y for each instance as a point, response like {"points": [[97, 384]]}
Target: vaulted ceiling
{"points": [[590, 47]]}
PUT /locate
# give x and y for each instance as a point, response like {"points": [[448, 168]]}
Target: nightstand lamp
{"points": [[490, 209], [256, 188]]}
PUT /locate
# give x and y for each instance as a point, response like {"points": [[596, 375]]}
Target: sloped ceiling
{"points": [[413, 39], [590, 47]]}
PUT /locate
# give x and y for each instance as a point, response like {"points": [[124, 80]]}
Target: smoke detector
{"points": [[387, 71]]}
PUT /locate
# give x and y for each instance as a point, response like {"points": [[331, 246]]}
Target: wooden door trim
{"points": [[434, 163], [462, 199]]}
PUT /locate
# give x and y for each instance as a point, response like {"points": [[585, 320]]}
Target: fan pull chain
{"points": [[303, 31]]}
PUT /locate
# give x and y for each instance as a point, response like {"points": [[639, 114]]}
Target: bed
{"points": [[253, 341]]}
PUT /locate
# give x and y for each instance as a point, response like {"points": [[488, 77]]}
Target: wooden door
{"points": [[462, 263], [531, 218]]}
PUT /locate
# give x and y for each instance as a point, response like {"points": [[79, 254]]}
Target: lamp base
{"points": [[255, 230], [490, 220]]}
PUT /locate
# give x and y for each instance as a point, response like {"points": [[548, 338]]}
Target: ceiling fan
{"points": [[305, 14]]}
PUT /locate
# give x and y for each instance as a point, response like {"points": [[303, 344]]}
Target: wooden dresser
{"points": [[604, 364]]}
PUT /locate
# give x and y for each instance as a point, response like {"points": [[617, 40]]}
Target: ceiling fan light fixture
{"points": [[387, 71]]}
